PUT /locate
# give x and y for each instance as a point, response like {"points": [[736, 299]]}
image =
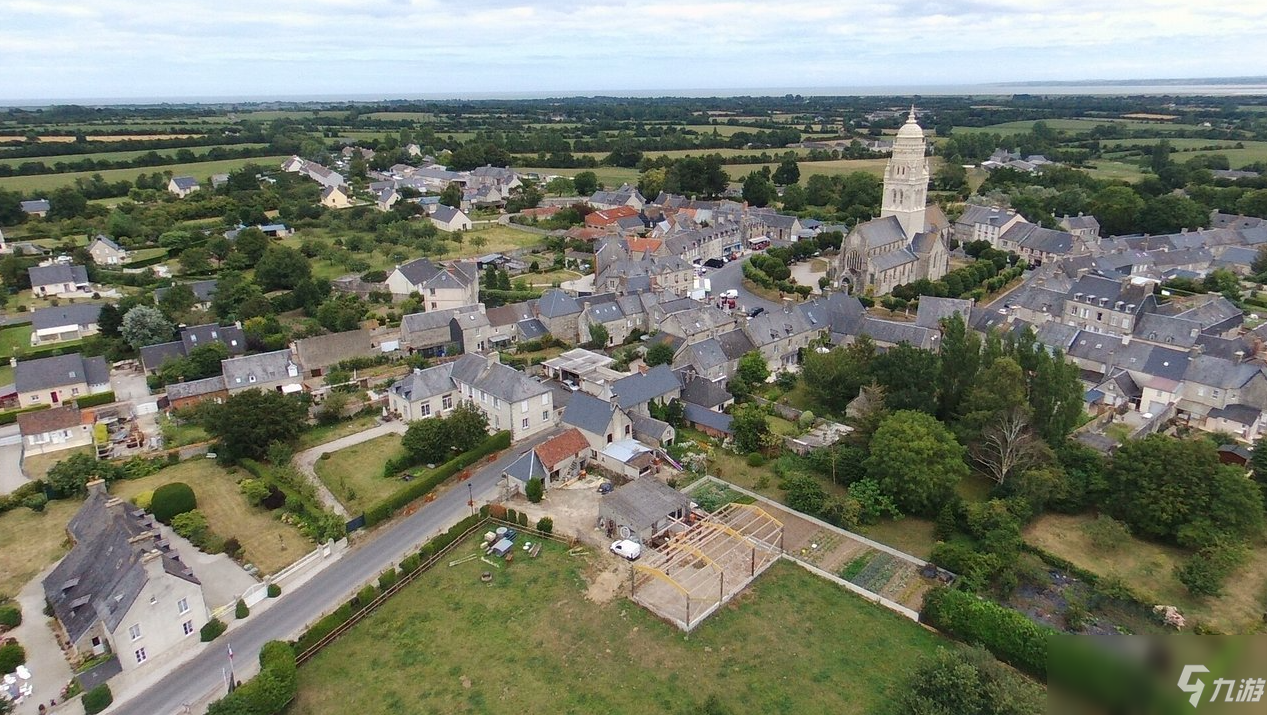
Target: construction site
{"points": [[702, 567]]}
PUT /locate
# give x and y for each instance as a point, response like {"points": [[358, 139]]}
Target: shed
{"points": [[642, 509]]}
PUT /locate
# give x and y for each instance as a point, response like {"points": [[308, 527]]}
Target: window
{"points": [[497, 403], [251, 378], [525, 423], [182, 606], [545, 415], [74, 391], [140, 655], [523, 407], [187, 627], [446, 402], [426, 409], [135, 631], [545, 399], [35, 398], [1216, 393]]}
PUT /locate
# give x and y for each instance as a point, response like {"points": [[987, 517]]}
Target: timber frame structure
{"points": [[703, 567]]}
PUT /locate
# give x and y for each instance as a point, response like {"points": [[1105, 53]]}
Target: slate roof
{"points": [[605, 313], [556, 304], [531, 329], [892, 259], [501, 381], [56, 274], [704, 392], [893, 332], [509, 314], [42, 421], [104, 239], [430, 320], [774, 325], [60, 370], [1168, 329], [526, 467], [425, 384], [881, 232], [446, 214], [1219, 312], [1220, 373], [649, 429], [992, 215], [153, 356], [1240, 414], [1080, 222], [933, 309], [184, 183], [1043, 240], [264, 367], [230, 336], [203, 291], [64, 315], [103, 574], [705, 354], [644, 387], [35, 206], [421, 270], [643, 502], [698, 414], [194, 388], [589, 413], [323, 351]]}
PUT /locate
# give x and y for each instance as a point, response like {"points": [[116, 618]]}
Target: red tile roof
{"points": [[568, 444], [56, 418], [597, 219]]}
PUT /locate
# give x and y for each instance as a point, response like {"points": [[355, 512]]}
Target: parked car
{"points": [[628, 549], [732, 293], [570, 386], [754, 312], [714, 263]]}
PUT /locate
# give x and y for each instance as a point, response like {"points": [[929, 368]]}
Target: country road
{"points": [[321, 594]]}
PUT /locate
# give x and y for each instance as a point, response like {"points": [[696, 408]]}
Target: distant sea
{"points": [[1238, 87]]}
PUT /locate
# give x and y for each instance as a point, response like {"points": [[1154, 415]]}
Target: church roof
{"points": [[892, 259], [911, 128], [881, 232]]}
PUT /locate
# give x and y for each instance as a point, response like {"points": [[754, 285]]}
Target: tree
{"points": [[805, 494], [70, 476], [916, 461], [428, 441], [559, 186], [1117, 209], [998, 389], [176, 241], [752, 368], [1007, 445], [248, 422], [282, 267], [145, 325], [837, 376], [909, 377], [749, 427], [659, 354], [233, 292], [960, 360], [176, 302], [1055, 395], [219, 247], [599, 336], [195, 260], [1253, 203], [534, 490], [468, 427], [171, 500], [966, 681], [1170, 212], [452, 196], [251, 244], [794, 198], [758, 190], [787, 173], [585, 183]]}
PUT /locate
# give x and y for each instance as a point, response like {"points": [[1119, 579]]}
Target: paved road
{"points": [[731, 276], [322, 593], [306, 460]]}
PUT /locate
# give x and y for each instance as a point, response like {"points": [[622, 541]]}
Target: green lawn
{"points": [[531, 641], [321, 434], [267, 542], [609, 176], [495, 238], [118, 155], [1072, 126], [355, 474], [201, 170], [31, 541], [15, 340]]}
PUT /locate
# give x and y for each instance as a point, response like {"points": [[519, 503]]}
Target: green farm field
{"points": [[532, 641], [116, 155], [1071, 125], [200, 170]]}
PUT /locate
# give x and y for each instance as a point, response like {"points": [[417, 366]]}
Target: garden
{"points": [[355, 474]]}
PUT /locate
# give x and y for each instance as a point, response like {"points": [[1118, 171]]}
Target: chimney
{"points": [[1240, 356], [97, 486], [1195, 350], [642, 368], [495, 357]]}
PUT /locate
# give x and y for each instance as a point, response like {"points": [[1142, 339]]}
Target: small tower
{"points": [[906, 178]]}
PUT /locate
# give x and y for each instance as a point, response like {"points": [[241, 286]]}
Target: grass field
{"points": [[1148, 568], [327, 433], [1070, 125], [531, 641], [834, 167], [680, 153], [609, 176], [31, 541], [36, 466], [1114, 170], [267, 542], [496, 238], [117, 155], [201, 170], [355, 474]]}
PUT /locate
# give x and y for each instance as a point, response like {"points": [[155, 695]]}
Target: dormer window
{"points": [[251, 378]]}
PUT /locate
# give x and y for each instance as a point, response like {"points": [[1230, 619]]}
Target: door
{"points": [[53, 396]]}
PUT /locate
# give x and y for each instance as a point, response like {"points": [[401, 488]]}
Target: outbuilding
{"points": [[642, 509]]}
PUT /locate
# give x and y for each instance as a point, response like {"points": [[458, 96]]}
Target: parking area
{"points": [[573, 507]]}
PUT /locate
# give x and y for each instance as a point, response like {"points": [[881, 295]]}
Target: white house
{"points": [[105, 252], [441, 286], [336, 197], [182, 186], [447, 218], [59, 280]]}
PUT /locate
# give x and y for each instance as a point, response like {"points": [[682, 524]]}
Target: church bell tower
{"points": [[906, 178]]}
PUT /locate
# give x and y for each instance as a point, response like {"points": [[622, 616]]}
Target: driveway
{"points": [[11, 475], [199, 677], [44, 658], [129, 386], [306, 460], [223, 581]]}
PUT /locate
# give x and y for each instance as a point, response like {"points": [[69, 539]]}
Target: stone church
{"points": [[908, 241]]}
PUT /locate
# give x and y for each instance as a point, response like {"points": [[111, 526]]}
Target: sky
{"points": [[141, 49]]}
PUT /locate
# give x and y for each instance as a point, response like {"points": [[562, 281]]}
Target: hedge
{"points": [[409, 564], [8, 418], [171, 500], [211, 630], [98, 699], [101, 398], [1009, 635], [143, 262], [413, 490], [269, 691], [12, 655], [18, 497], [10, 616]]}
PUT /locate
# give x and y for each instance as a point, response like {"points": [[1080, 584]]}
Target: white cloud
{"points": [[77, 48]]}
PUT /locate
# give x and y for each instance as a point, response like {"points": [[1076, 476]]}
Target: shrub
{"points": [[806, 419], [144, 499], [1107, 533], [233, 547], [410, 563], [268, 692], [172, 499], [256, 490], [11, 656], [274, 590], [192, 525], [364, 596], [1205, 572], [98, 699], [497, 511], [241, 611], [535, 490], [10, 616], [1009, 635], [755, 459], [35, 502], [388, 578], [523, 519], [545, 525], [211, 630]]}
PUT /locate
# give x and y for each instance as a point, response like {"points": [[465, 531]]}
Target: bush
{"points": [[266, 693], [497, 511], [388, 578], [241, 611], [512, 516], [233, 547], [1205, 572], [211, 630], [192, 525], [410, 563], [11, 656], [806, 420], [383, 510], [98, 699], [523, 519], [1009, 635], [144, 500], [101, 398], [10, 616], [274, 590], [535, 490], [545, 525], [172, 499], [364, 596], [35, 502], [1107, 533], [256, 490], [755, 459]]}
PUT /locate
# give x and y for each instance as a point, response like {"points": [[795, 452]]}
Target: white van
{"points": [[626, 548]]}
